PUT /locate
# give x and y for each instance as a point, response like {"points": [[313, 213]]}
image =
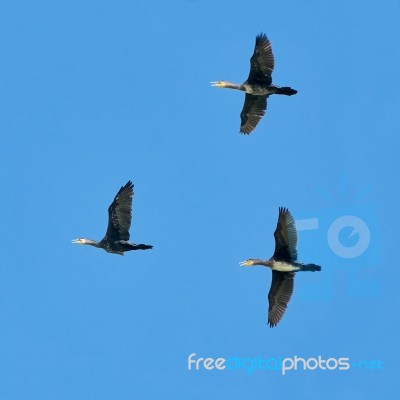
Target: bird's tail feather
{"points": [[310, 267], [286, 90], [141, 246]]}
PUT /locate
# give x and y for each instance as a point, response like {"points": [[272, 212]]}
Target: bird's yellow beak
{"points": [[77, 241], [218, 84], [246, 263]]}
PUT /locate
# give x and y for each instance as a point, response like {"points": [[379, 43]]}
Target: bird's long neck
{"points": [[231, 85], [265, 263], [91, 242]]}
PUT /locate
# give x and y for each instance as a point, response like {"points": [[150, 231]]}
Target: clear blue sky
{"points": [[94, 93]]}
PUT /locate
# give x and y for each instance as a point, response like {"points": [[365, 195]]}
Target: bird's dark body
{"points": [[259, 89], [120, 246], [290, 265]]}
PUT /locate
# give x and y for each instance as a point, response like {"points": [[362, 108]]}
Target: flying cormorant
{"points": [[117, 236], [284, 264], [258, 85]]}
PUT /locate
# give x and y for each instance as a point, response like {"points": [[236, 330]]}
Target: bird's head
{"points": [[221, 84], [248, 263], [79, 241]]}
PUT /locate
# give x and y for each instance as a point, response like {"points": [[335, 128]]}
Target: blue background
{"points": [[94, 93]]}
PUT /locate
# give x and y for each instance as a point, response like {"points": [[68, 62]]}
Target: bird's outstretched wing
{"points": [[253, 110], [279, 295], [120, 214], [285, 237], [262, 61]]}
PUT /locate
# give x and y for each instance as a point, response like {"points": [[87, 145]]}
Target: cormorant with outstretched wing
{"points": [[117, 236], [283, 264], [258, 86]]}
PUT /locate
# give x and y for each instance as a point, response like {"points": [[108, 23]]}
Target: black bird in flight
{"points": [[283, 264], [258, 86], [117, 236]]}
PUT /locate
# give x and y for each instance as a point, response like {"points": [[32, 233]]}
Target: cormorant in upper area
{"points": [[258, 85]]}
